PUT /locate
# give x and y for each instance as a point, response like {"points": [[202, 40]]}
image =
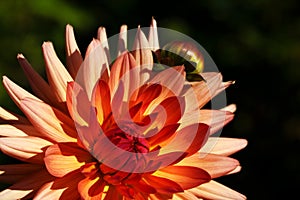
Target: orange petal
{"points": [[39, 86], [57, 74], [26, 187], [91, 189], [15, 130], [164, 134], [215, 165], [15, 172], [223, 146], [101, 101], [49, 121], [61, 159], [64, 188], [153, 36], [187, 177], [27, 148], [215, 190], [112, 193], [74, 58], [143, 55]]}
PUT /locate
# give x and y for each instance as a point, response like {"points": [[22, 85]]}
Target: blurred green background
{"points": [[255, 42]]}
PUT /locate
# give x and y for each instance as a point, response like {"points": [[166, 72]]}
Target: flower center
{"points": [[127, 138]]}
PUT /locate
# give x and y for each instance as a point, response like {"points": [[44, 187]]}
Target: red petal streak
{"points": [[186, 177], [101, 101], [63, 158], [163, 185]]}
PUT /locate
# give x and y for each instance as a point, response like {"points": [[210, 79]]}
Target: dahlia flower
{"points": [[105, 128]]}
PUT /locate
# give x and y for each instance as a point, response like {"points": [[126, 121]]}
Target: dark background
{"points": [[255, 42]]}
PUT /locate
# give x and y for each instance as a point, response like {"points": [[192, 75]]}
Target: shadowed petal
{"points": [[163, 184], [91, 189], [103, 39], [50, 122], [9, 117], [187, 177], [74, 58], [61, 159], [14, 130], [15, 172], [39, 86], [57, 74], [122, 44], [64, 188], [26, 186], [215, 190]]}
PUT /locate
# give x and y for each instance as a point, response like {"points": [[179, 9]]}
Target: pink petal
{"points": [[216, 119], [215, 165], [74, 58], [61, 159], [27, 148], [39, 86], [57, 74], [143, 55], [122, 44], [94, 67], [15, 130], [49, 121], [103, 39], [9, 117], [27, 186], [215, 190], [153, 36], [16, 92], [64, 188], [223, 146]]}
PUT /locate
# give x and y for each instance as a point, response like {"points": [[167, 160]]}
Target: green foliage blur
{"points": [[255, 42]]}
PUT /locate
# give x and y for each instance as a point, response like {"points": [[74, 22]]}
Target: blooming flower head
{"points": [[128, 127]]}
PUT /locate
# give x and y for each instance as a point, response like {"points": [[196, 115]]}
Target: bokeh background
{"points": [[255, 42]]}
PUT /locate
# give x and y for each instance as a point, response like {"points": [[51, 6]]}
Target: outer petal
{"points": [[28, 148], [143, 55], [74, 58], [25, 187], [9, 117], [122, 44], [57, 74], [15, 130], [39, 86], [63, 158], [153, 36], [223, 146], [215, 190], [64, 188], [50, 122], [15, 172], [215, 165], [103, 39]]}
